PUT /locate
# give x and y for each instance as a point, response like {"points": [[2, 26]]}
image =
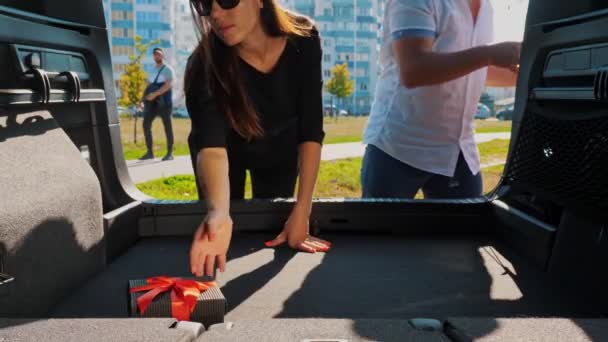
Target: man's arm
{"points": [[501, 77], [420, 66], [168, 73], [165, 88]]}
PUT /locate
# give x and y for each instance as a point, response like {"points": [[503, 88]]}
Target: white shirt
{"points": [[165, 75], [427, 127]]}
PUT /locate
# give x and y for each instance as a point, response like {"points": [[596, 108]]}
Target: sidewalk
{"points": [[143, 171]]}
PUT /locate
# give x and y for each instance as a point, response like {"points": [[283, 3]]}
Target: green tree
{"points": [[340, 85], [133, 80]]}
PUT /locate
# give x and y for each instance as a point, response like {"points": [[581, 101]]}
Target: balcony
{"points": [[122, 6], [367, 19], [120, 41], [365, 4], [347, 49], [154, 26], [337, 3], [122, 24], [305, 3], [163, 43]]}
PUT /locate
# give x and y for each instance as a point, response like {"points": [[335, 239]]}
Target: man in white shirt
{"points": [[434, 64], [159, 102]]}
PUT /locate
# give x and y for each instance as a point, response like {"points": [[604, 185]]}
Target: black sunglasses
{"points": [[203, 7]]}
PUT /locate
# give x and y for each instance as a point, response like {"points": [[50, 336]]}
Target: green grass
{"points": [[344, 130], [492, 126], [493, 152], [131, 150], [337, 178], [178, 187]]}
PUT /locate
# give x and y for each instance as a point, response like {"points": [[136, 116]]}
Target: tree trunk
{"points": [[135, 127], [337, 113]]}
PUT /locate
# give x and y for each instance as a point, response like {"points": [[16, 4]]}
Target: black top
{"points": [[287, 99]]}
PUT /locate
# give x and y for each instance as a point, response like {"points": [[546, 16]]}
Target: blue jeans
{"points": [[383, 176]]}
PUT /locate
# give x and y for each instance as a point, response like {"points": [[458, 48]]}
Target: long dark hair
{"points": [[221, 65]]}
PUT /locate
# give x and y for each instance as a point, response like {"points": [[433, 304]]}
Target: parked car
{"points": [[483, 112], [331, 110], [505, 114], [181, 113]]}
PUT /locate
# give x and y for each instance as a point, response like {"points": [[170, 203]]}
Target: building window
{"points": [[326, 42], [122, 50], [364, 11], [360, 72], [327, 73], [148, 16], [327, 58], [364, 57], [362, 86], [365, 27], [344, 11], [327, 12], [345, 42], [118, 68]]}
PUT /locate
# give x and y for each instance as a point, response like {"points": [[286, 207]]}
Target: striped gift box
{"points": [[209, 310]]}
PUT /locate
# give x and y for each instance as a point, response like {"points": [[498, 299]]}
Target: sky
{"points": [[509, 19]]}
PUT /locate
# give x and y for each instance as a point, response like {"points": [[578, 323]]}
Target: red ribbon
{"points": [[184, 294]]}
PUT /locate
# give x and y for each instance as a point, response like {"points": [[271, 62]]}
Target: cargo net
{"points": [[564, 160]]}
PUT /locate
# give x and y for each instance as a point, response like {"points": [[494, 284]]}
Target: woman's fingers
{"points": [[316, 239], [319, 244], [280, 239], [195, 258], [193, 264], [209, 265], [306, 247], [221, 262], [199, 267], [315, 244]]}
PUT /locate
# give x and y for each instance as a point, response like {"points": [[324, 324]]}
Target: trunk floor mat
{"points": [[363, 276]]}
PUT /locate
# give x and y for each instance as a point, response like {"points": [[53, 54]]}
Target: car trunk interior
{"points": [[526, 262], [365, 276]]}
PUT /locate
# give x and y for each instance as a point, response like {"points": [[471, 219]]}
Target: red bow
{"points": [[184, 294]]}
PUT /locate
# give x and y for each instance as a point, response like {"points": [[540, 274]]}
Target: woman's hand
{"points": [[296, 234], [210, 244]]}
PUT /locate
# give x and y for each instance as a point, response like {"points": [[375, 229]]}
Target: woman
{"points": [[253, 91]]}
